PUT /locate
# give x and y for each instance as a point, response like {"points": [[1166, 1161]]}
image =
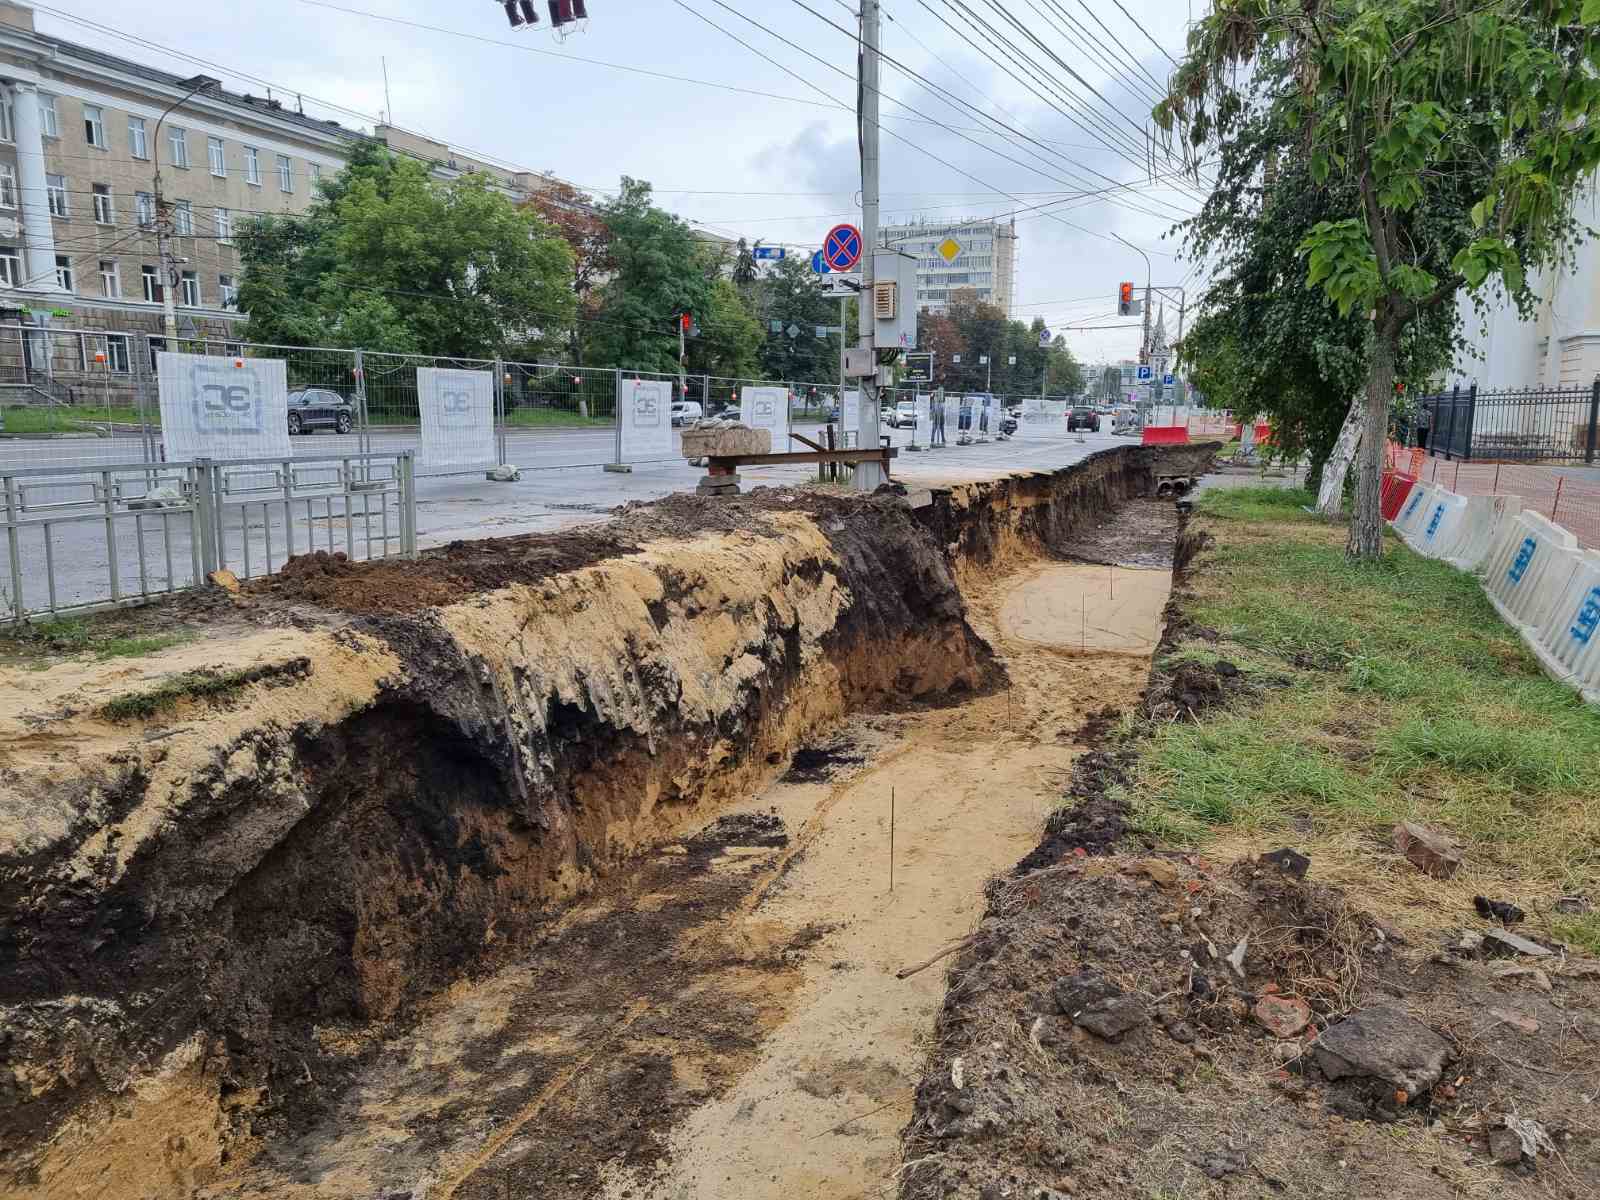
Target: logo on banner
{"points": [[1416, 502], [455, 409], [225, 403], [646, 410], [1433, 522], [763, 408], [1524, 556]]}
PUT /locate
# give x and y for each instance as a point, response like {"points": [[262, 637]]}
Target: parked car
{"points": [[686, 412], [318, 408], [904, 416], [1083, 417], [1008, 424], [886, 417]]}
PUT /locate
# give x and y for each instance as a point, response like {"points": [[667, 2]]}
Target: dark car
{"points": [[1083, 417], [318, 408], [1008, 425]]}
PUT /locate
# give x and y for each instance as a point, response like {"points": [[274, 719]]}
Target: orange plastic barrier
{"points": [[1166, 435], [1566, 495], [1396, 488], [1263, 433]]}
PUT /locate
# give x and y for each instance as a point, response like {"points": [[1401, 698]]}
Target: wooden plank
{"points": [[840, 456]]}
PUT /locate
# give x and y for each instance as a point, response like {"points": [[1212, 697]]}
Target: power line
{"points": [[1144, 31]]}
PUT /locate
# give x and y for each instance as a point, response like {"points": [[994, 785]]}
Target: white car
{"points": [[904, 416], [685, 412]]}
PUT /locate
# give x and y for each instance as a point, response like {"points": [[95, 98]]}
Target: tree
{"points": [[659, 270], [790, 295], [1264, 348], [387, 258], [729, 340], [573, 217], [1404, 109]]}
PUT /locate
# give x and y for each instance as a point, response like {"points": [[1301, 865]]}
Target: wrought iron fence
{"points": [[79, 539], [1527, 425]]}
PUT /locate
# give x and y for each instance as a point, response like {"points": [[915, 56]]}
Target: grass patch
{"points": [[76, 637], [553, 418], [79, 418], [205, 684], [1406, 699], [1582, 932]]}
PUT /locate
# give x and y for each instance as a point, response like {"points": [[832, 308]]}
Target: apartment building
{"points": [[984, 259]]}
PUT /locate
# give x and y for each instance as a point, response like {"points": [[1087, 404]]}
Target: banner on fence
{"points": [[215, 407], [457, 419], [1035, 419], [767, 408], [644, 420]]}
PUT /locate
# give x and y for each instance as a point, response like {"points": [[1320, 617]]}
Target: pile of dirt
{"points": [[1159, 1027]]}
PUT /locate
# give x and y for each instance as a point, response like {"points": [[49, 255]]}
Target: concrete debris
{"points": [[1158, 869], [1077, 992], [958, 1074], [721, 440], [1427, 849], [1236, 956], [226, 580], [504, 473], [1470, 942], [157, 497], [1113, 1017], [1500, 941], [1505, 1147], [1284, 1016], [1383, 1042]]}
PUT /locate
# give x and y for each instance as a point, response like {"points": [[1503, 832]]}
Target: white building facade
{"points": [[985, 260]]}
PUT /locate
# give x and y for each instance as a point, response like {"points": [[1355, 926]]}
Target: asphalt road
{"points": [[562, 486]]}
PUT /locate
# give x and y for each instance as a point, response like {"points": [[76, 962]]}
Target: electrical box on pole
{"points": [[894, 300]]}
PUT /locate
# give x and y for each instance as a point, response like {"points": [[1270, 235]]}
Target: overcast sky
{"points": [[780, 167]]}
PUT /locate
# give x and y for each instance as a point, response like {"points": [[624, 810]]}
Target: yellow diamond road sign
{"points": [[949, 249]]}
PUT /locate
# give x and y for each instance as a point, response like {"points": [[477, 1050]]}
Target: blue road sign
{"points": [[1145, 374], [1045, 338], [769, 252], [841, 249], [1168, 379], [820, 264]]}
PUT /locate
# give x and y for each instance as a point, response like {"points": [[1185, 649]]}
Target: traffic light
{"points": [[1125, 300], [685, 322], [521, 12]]}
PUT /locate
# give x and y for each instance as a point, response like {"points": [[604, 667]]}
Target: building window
{"points": [[110, 279], [117, 352], [94, 125], [178, 139], [144, 208], [219, 161], [183, 219], [8, 186], [10, 265], [152, 284], [8, 120], [157, 345], [252, 165], [229, 291], [47, 116], [285, 174], [189, 290], [138, 143], [63, 272], [316, 173], [55, 187], [103, 213], [224, 225]]}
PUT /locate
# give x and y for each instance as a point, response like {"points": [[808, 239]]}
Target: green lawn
{"points": [[78, 418], [541, 418], [102, 637], [1381, 693]]}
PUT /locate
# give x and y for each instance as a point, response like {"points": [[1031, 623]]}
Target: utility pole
{"points": [[869, 475], [169, 265]]}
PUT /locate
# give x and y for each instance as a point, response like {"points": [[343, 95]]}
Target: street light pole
{"points": [[1144, 344], [169, 267]]}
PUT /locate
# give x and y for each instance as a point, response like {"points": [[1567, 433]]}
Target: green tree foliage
{"points": [[1403, 108], [789, 294], [388, 258], [660, 269], [975, 329], [730, 339]]}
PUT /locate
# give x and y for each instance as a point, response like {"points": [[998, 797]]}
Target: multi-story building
{"points": [[984, 259]]}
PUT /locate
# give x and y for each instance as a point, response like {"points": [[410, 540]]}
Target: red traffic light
{"points": [[1125, 299], [685, 322]]}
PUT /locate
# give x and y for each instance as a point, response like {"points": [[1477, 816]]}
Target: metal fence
{"points": [[126, 533], [1527, 425]]}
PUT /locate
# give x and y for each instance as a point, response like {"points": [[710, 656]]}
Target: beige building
{"points": [[986, 260]]}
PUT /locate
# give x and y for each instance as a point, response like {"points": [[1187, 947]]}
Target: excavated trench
{"points": [[422, 899]]}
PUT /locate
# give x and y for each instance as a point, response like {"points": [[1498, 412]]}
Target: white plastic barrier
{"points": [[457, 414], [1568, 640], [767, 408], [952, 420], [1485, 517], [1412, 514], [922, 429], [1527, 571], [1438, 524]]}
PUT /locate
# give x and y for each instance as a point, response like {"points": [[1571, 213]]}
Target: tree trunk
{"points": [[1330, 488], [1366, 526]]}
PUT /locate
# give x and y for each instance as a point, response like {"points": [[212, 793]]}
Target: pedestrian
{"points": [[1424, 421], [936, 422]]}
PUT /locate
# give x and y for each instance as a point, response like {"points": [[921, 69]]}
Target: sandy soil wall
{"points": [[399, 798]]}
